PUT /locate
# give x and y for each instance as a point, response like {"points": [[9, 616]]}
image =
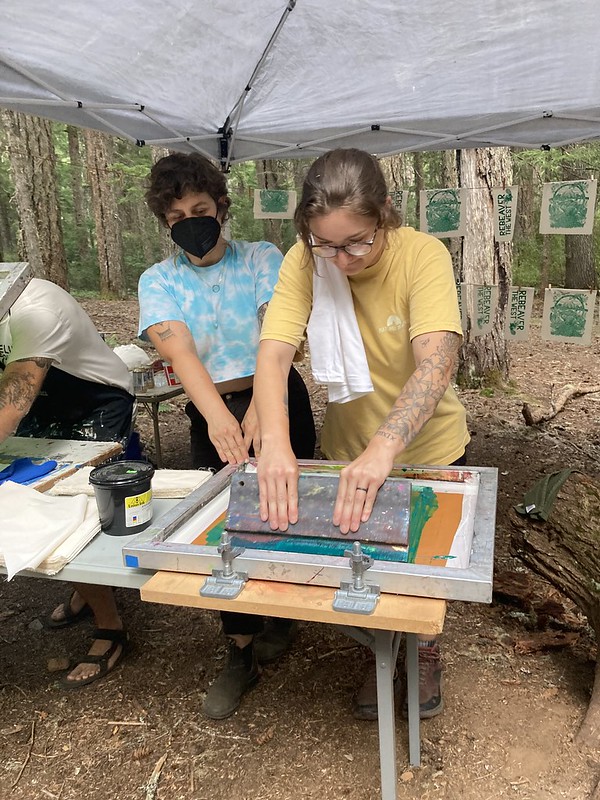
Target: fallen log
{"points": [[565, 550], [533, 416]]}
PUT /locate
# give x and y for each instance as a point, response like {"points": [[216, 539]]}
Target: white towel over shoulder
{"points": [[337, 352]]}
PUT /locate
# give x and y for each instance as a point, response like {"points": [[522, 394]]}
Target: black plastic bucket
{"points": [[124, 496]]}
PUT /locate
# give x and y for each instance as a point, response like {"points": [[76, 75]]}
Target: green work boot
{"points": [[238, 676], [275, 639]]}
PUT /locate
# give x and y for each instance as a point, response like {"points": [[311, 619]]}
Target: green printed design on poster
{"points": [[443, 211], [274, 201], [568, 315], [568, 206]]}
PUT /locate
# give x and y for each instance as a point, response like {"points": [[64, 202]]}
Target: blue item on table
{"points": [[24, 470]]}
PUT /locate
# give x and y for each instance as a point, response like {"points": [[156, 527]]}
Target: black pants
{"points": [[204, 455], [73, 408]]}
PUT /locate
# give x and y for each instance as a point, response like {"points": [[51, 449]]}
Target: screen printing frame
{"points": [[152, 549], [14, 277]]}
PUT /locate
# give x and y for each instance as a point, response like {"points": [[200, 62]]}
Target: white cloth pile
{"points": [[166, 483], [41, 532]]}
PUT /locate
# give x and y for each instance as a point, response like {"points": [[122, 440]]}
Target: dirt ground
{"points": [[510, 718]]}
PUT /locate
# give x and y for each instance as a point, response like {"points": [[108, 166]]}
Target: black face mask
{"points": [[196, 235]]}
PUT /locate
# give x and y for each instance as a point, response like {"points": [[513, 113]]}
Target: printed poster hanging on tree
{"points": [[274, 204], [518, 312], [399, 199], [483, 305], [568, 315], [568, 207], [505, 211], [443, 212]]}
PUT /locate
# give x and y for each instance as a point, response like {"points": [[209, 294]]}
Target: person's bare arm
{"points": [[277, 465], [435, 357], [250, 427], [174, 342], [20, 384]]}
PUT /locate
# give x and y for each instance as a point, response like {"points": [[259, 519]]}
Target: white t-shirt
{"points": [[46, 322]]}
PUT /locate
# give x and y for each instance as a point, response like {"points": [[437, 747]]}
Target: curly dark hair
{"points": [[178, 174]]}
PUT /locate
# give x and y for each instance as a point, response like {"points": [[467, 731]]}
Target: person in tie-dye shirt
{"points": [[202, 310]]}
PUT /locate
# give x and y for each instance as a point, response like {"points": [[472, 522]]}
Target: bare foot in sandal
{"points": [[103, 656], [70, 612]]}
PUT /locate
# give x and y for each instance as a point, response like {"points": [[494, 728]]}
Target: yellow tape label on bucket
{"points": [[138, 509]]}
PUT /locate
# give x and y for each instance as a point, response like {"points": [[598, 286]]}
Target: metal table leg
{"points": [[152, 408], [386, 652], [412, 691], [385, 646]]}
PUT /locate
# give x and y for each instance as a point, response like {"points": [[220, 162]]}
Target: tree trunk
{"points": [[33, 166], [267, 174], [80, 209], [106, 215], [545, 270], [419, 183], [565, 550], [450, 167], [580, 270], [485, 261], [167, 246]]}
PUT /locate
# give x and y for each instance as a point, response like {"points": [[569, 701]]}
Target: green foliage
{"points": [[143, 240]]}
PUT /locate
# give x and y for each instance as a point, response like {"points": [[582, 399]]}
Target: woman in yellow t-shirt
{"points": [[384, 332]]}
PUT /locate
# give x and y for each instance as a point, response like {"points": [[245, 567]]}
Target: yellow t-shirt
{"points": [[408, 292]]}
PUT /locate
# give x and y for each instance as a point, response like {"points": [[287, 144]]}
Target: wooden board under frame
{"points": [[158, 547]]}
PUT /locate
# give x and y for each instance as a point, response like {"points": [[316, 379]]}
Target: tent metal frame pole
{"points": [[17, 101], [178, 136], [47, 87], [237, 108]]}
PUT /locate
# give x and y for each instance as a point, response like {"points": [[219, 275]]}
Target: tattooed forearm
{"points": [[422, 392], [261, 314], [18, 391]]}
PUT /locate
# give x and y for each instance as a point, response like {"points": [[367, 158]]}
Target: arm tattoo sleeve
{"points": [[423, 391], [19, 391]]}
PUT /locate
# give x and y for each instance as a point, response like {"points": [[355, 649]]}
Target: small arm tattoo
{"points": [[261, 314], [166, 333]]}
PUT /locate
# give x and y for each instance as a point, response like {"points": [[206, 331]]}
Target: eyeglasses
{"points": [[353, 249]]}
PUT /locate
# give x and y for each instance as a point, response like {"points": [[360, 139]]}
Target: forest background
{"points": [[72, 204]]}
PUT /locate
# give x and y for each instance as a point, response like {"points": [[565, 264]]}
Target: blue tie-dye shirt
{"points": [[224, 323]]}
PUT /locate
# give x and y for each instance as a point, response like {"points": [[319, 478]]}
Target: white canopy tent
{"points": [[242, 80]]}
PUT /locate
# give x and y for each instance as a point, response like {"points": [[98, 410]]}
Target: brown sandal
{"points": [[117, 639], [69, 617]]}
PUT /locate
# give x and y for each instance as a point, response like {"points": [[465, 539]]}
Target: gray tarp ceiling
{"points": [[291, 79]]}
